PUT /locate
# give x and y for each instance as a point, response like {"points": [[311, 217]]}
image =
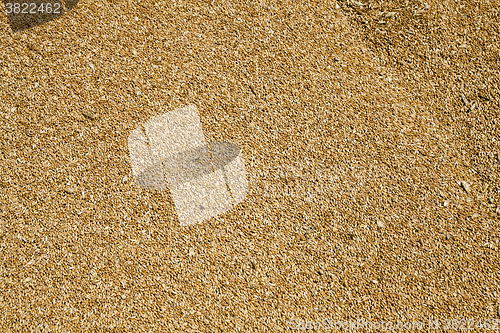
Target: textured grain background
{"points": [[355, 137]]}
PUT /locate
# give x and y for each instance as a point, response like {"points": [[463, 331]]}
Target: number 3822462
{"points": [[32, 8], [470, 324]]}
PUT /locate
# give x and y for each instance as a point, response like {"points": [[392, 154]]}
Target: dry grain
{"points": [[344, 124]]}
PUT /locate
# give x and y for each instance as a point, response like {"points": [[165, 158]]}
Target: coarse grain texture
{"points": [[356, 124]]}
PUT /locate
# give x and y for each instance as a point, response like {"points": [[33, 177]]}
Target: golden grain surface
{"points": [[359, 124]]}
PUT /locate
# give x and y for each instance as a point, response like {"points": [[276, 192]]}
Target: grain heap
{"points": [[357, 155]]}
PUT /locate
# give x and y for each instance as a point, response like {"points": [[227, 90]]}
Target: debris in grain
{"points": [[465, 186], [344, 283], [68, 189], [354, 3], [472, 107], [464, 99], [252, 90]]}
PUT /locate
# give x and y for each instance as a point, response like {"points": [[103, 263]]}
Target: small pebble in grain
{"points": [[380, 224], [446, 203], [89, 114]]}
